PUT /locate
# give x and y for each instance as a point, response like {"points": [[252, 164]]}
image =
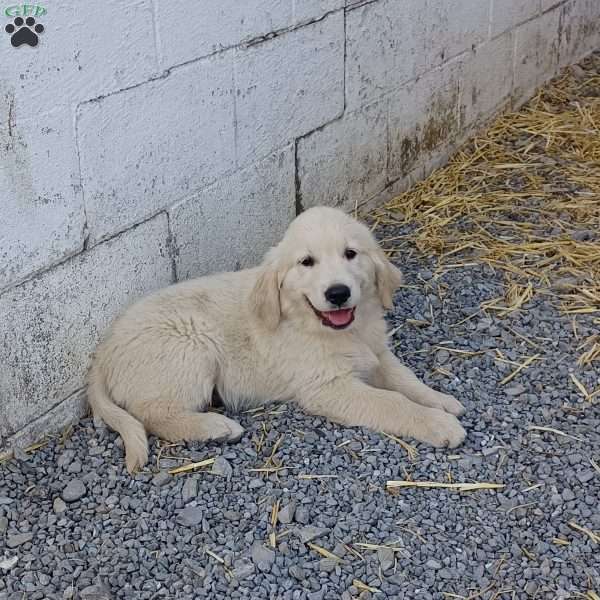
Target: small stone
{"points": [[3, 524], [578, 72], [515, 390], [286, 514], [302, 515], [59, 505], [262, 554], [585, 476], [95, 592], [166, 464], [433, 564], [531, 588], [243, 568], [326, 565], [297, 572], [5, 500], [74, 467], [222, 468], [190, 516], [583, 235], [442, 356], [386, 558], [568, 495], [74, 490], [255, 484], [196, 568], [8, 563], [545, 568], [263, 567], [232, 515], [13, 541], [21, 455], [161, 479], [310, 533], [489, 450], [189, 491]]}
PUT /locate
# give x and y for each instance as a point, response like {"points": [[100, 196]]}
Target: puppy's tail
{"points": [[118, 419]]}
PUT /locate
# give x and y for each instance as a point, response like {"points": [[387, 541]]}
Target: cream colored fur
{"points": [[253, 337]]}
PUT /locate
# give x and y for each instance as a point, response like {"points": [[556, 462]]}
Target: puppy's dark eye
{"points": [[349, 253], [307, 261]]}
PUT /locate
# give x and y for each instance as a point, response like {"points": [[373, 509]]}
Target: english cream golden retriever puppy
{"points": [[305, 326]]}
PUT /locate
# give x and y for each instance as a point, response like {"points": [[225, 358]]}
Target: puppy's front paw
{"points": [[451, 405], [442, 430]]}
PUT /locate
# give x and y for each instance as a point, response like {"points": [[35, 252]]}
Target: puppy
{"points": [[305, 326]]}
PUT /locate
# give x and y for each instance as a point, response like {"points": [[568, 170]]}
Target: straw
{"points": [[192, 466], [522, 198], [461, 487]]}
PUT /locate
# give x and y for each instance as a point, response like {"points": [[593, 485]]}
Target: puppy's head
{"points": [[326, 265]]}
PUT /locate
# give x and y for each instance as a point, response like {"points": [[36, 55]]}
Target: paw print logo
{"points": [[24, 32]]}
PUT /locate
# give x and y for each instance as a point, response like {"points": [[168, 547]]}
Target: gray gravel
{"points": [[73, 524]]}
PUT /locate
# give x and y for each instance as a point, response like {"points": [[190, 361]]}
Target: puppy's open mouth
{"points": [[336, 319]]}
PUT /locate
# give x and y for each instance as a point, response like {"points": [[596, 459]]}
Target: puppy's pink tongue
{"points": [[339, 317]]}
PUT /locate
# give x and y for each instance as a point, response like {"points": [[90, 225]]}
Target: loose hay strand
{"points": [[324, 553], [553, 430], [359, 585], [412, 452], [192, 466], [520, 368], [461, 487], [592, 535]]}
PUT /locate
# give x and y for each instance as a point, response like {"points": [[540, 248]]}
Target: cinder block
{"points": [[50, 324], [232, 223], [423, 115], [536, 54], [288, 86], [308, 10], [580, 30], [344, 163], [41, 208], [506, 14], [57, 418], [390, 43], [148, 147], [487, 80], [456, 26], [86, 49], [211, 26], [548, 4]]}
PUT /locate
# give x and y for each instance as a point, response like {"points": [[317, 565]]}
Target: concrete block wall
{"points": [[173, 139]]}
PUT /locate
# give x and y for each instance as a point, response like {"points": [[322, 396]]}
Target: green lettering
{"points": [[13, 11], [40, 11]]}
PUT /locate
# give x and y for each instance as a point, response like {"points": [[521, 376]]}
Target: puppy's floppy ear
{"points": [[387, 278], [264, 297]]}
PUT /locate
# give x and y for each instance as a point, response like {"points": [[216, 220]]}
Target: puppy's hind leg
{"points": [[177, 396], [196, 426], [183, 416]]}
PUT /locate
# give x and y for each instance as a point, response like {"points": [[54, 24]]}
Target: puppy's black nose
{"points": [[337, 294]]}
